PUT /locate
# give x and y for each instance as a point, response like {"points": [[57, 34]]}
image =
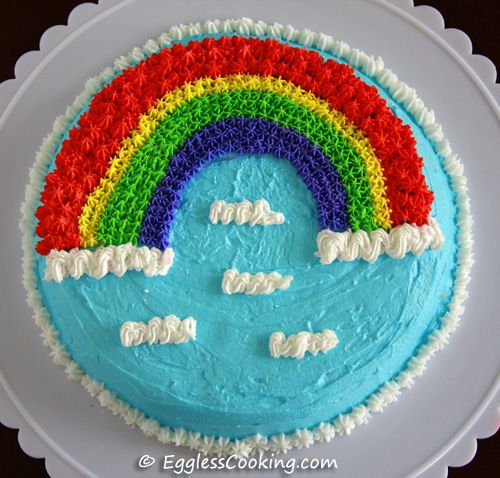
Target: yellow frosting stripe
{"points": [[98, 199]]}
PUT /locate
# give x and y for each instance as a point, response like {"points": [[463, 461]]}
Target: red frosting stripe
{"points": [[115, 110]]}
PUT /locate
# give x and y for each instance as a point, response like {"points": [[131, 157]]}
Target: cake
{"points": [[243, 237]]}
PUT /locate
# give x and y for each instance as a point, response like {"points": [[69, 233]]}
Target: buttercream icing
{"points": [[235, 282], [296, 345], [107, 259], [349, 246], [258, 212], [169, 330], [351, 417]]}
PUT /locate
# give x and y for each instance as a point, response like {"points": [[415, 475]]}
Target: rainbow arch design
{"points": [[119, 176]]}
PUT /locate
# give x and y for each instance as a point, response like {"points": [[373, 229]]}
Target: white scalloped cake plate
{"points": [[434, 424]]}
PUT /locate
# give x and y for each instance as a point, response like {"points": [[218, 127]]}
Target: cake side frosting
{"points": [[376, 402]]}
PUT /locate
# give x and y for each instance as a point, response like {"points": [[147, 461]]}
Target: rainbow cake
{"points": [[245, 237]]}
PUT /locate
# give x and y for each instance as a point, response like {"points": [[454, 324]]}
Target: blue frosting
{"points": [[253, 136], [226, 383]]}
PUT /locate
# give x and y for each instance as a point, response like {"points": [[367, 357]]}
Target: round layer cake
{"points": [[245, 237]]}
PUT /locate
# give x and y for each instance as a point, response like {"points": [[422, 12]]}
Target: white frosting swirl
{"points": [[258, 212], [349, 246], [107, 259], [235, 282], [170, 330], [296, 345]]}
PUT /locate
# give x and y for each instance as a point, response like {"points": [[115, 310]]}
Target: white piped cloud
{"points": [[107, 259], [258, 212], [296, 345], [235, 282], [350, 246], [169, 330]]}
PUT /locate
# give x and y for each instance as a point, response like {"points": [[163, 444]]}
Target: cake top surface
{"points": [[186, 147]]}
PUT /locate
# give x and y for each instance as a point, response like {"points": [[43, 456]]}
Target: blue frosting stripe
{"points": [[245, 136]]}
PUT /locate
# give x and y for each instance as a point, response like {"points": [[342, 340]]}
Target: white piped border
{"points": [[343, 424]]}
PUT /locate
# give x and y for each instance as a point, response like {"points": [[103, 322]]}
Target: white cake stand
{"points": [[433, 425]]}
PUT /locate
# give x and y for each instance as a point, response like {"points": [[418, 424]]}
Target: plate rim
{"points": [[487, 66]]}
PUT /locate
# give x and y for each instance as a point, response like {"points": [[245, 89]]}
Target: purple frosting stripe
{"points": [[245, 136]]}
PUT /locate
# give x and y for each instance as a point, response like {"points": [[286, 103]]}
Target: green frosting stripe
{"points": [[122, 219]]}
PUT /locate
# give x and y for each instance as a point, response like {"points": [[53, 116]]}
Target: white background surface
{"points": [[414, 435]]}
